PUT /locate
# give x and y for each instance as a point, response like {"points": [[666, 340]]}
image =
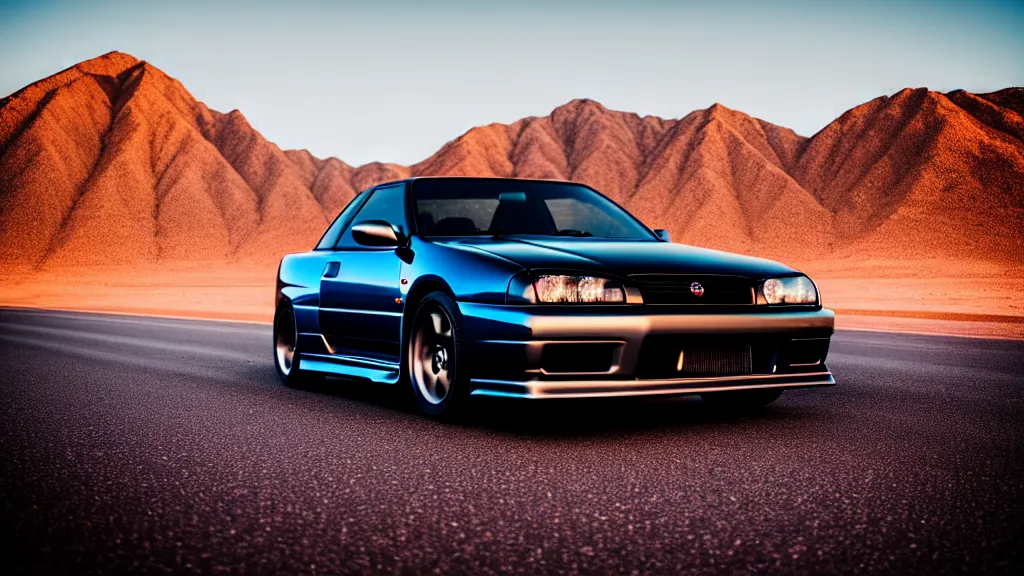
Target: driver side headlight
{"points": [[564, 289], [792, 290]]}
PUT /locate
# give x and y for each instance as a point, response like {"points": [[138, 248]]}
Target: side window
{"points": [[330, 237], [387, 204], [442, 216]]}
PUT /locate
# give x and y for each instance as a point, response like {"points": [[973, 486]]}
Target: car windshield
{"points": [[455, 207]]}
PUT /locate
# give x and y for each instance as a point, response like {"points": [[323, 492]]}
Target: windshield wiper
{"points": [[570, 232]]}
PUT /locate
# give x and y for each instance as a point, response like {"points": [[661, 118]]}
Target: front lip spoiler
{"points": [[538, 389]]}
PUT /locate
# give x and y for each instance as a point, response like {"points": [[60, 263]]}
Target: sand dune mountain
{"points": [[916, 175], [113, 162], [923, 173]]}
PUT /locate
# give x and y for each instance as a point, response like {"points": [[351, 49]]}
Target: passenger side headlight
{"points": [[793, 290], [564, 289]]}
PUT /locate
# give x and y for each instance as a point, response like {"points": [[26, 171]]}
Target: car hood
{"points": [[619, 258]]}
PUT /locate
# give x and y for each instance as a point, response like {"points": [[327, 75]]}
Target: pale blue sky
{"points": [[393, 81]]}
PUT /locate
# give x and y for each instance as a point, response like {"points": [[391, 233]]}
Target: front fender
{"points": [[470, 275]]}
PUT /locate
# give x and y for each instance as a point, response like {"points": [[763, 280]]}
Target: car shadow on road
{"points": [[573, 418]]}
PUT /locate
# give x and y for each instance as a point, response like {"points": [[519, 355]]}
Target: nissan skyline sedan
{"points": [[463, 287]]}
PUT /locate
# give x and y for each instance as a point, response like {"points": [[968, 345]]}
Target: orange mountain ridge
{"points": [[112, 162]]}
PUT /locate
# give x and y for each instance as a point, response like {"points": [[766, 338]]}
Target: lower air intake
{"points": [[674, 356], [714, 361]]}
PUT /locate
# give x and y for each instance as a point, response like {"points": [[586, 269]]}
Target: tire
{"points": [[286, 351], [435, 361], [741, 400]]}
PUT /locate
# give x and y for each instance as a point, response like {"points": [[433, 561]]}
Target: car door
{"points": [[360, 291]]}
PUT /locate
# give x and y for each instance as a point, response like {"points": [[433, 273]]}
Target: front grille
{"points": [[676, 289], [669, 356], [716, 361]]}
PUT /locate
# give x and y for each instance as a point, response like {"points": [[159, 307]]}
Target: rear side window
{"points": [[387, 204], [330, 237]]}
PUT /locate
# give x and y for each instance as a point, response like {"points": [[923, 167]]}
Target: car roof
{"points": [[495, 178]]}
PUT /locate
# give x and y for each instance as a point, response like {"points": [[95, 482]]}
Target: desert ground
{"points": [[935, 297]]}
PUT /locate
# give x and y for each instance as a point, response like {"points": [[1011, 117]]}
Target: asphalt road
{"points": [[143, 444]]}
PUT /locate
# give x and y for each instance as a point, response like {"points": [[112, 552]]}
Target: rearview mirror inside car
{"points": [[518, 197]]}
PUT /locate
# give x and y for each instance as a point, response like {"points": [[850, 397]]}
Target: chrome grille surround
{"points": [[717, 290]]}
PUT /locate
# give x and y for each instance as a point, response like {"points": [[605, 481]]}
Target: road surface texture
{"points": [[144, 444]]}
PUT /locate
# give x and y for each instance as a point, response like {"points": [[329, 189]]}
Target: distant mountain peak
{"points": [[111, 161]]}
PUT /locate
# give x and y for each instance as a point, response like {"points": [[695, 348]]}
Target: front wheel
{"points": [[434, 359], [741, 399], [286, 351]]}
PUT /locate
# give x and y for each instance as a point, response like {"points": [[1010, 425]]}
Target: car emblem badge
{"points": [[697, 289]]}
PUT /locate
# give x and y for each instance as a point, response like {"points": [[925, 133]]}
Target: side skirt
{"points": [[322, 358], [353, 367]]}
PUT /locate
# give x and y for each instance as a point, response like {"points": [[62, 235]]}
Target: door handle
{"points": [[332, 269]]}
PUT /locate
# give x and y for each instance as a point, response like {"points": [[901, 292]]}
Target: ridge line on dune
{"points": [[894, 138], [880, 105], [66, 77], [26, 124], [115, 110], [1015, 141], [656, 151]]}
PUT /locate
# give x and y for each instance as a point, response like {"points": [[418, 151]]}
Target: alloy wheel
{"points": [[432, 355], [284, 341]]}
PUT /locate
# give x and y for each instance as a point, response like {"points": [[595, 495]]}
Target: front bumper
{"points": [[508, 358]]}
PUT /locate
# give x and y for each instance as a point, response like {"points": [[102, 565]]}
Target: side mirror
{"points": [[377, 233], [663, 234]]}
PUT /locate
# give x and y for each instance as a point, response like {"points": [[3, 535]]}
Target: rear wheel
{"points": [[286, 350], [741, 399], [434, 360]]}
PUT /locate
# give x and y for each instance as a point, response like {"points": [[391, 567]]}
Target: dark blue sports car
{"points": [[460, 287]]}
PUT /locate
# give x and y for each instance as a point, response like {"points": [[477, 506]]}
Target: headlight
{"points": [[558, 289], [794, 290]]}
